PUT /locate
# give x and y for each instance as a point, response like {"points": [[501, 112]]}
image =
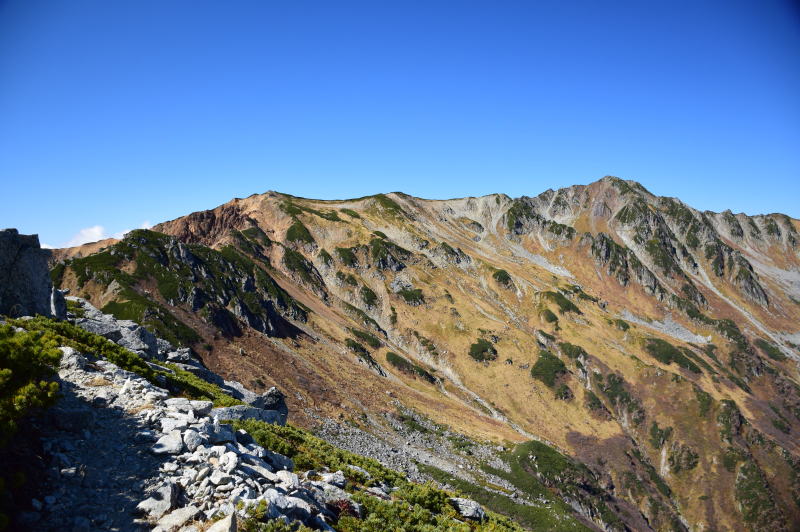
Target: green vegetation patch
{"points": [[183, 382], [388, 205], [408, 367], [351, 213], [548, 316], [297, 263], [412, 296], [325, 257], [704, 401], [370, 339], [659, 436], [615, 389], [347, 256], [771, 350], [557, 517], [667, 353], [483, 350], [564, 304], [298, 232], [27, 361], [755, 498], [347, 278], [502, 277], [412, 507], [548, 368], [368, 296], [572, 350]]}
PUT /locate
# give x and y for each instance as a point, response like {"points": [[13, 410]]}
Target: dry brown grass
{"points": [[98, 381]]}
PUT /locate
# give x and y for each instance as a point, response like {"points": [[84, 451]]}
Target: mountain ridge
{"points": [[564, 316]]}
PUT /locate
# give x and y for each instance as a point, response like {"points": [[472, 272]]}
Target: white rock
{"points": [[192, 439], [160, 502], [226, 524], [178, 518], [171, 443], [337, 479], [218, 477]]}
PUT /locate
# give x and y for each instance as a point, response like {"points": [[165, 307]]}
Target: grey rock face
{"points": [[25, 286], [58, 305], [171, 443], [468, 508], [273, 399], [240, 412], [160, 501]]}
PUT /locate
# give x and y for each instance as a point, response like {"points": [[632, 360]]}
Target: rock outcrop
{"points": [[25, 286]]}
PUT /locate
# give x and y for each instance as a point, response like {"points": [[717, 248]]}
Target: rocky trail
{"points": [[123, 455]]}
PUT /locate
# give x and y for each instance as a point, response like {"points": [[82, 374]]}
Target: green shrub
{"points": [[659, 436], [408, 367], [388, 205], [548, 368], [347, 256], [368, 296], [615, 390], [309, 452], [27, 361], [298, 232], [482, 350], [592, 401], [667, 353], [325, 257], [572, 350], [75, 308], [781, 425], [412, 296], [66, 334], [564, 392], [770, 350], [370, 339], [564, 304], [351, 213], [704, 401], [622, 325], [298, 264], [502, 277], [348, 278], [756, 501], [549, 316]]}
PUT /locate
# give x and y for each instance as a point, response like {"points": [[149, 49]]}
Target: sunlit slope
{"points": [[655, 343]]}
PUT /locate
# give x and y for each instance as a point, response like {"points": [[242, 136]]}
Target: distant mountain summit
{"points": [[628, 356]]}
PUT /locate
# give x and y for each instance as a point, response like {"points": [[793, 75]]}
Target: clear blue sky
{"points": [[119, 113]]}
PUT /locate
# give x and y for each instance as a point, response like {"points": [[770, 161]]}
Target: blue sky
{"points": [[114, 115]]}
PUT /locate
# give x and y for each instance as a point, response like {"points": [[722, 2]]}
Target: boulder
{"points": [[273, 399], [192, 439], [226, 524], [25, 285], [160, 501], [105, 328], [58, 305], [241, 412], [171, 443], [177, 518], [468, 508]]}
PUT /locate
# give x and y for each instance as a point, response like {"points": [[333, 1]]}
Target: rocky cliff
{"points": [[25, 286]]}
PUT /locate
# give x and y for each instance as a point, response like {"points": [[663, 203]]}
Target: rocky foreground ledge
{"points": [[124, 455]]}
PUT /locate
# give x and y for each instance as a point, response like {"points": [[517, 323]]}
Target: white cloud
{"points": [[87, 234], [45, 245], [121, 234], [97, 232]]}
